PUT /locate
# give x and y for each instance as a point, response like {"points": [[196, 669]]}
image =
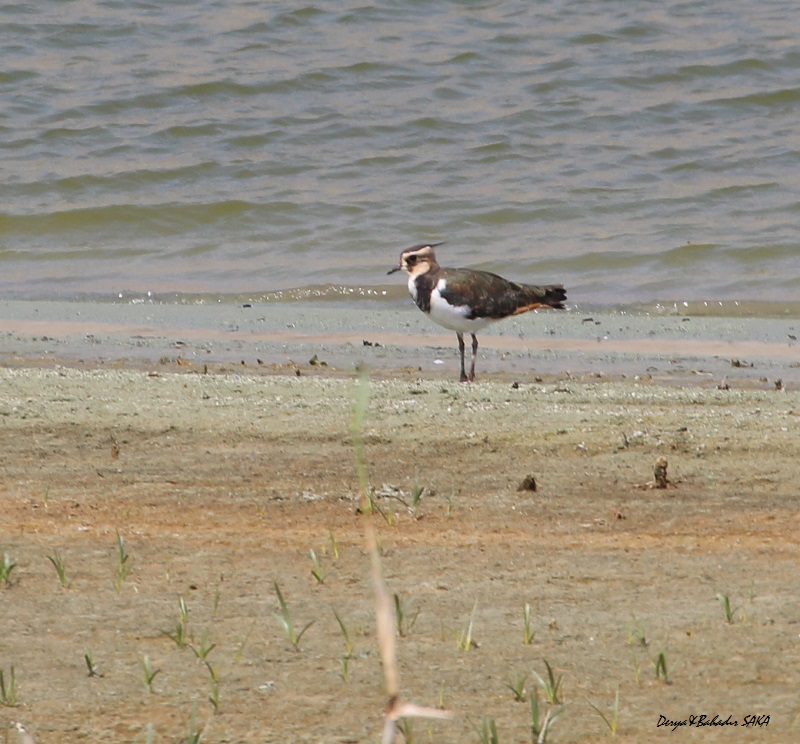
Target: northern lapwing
{"points": [[467, 300]]}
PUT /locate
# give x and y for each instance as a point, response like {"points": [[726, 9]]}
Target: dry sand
{"points": [[221, 478]]}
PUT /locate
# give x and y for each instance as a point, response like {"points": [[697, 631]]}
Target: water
{"points": [[637, 152]]}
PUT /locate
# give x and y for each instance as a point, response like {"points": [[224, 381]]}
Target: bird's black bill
{"points": [[391, 271]]}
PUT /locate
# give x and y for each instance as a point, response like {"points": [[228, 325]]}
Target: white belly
{"points": [[449, 316]]}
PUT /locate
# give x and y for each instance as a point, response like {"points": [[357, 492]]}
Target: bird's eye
{"points": [[411, 260]]}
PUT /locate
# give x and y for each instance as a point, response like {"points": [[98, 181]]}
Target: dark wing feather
{"points": [[491, 296]]}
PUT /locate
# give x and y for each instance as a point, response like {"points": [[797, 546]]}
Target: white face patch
{"points": [[420, 267]]}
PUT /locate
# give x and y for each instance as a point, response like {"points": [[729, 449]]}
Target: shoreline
{"points": [[286, 337]]}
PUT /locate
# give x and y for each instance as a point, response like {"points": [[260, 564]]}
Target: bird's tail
{"points": [[551, 296], [555, 296]]}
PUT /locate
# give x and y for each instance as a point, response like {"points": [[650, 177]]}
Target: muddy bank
{"points": [[221, 483]]}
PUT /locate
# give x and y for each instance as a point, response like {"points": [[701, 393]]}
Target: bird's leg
{"points": [[464, 377], [474, 357]]}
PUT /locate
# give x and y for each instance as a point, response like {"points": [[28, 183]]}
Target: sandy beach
{"points": [[206, 439], [684, 343]]}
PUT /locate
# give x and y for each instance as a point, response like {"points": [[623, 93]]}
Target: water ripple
{"points": [[636, 153]]}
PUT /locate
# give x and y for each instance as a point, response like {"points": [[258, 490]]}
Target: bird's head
{"points": [[417, 260]]}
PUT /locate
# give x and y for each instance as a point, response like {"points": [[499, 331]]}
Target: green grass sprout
{"points": [[613, 721], [730, 613], [316, 568], [528, 634], [61, 569], [551, 685], [464, 639], [124, 565], [8, 689], [149, 673], [7, 565], [286, 621]]}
